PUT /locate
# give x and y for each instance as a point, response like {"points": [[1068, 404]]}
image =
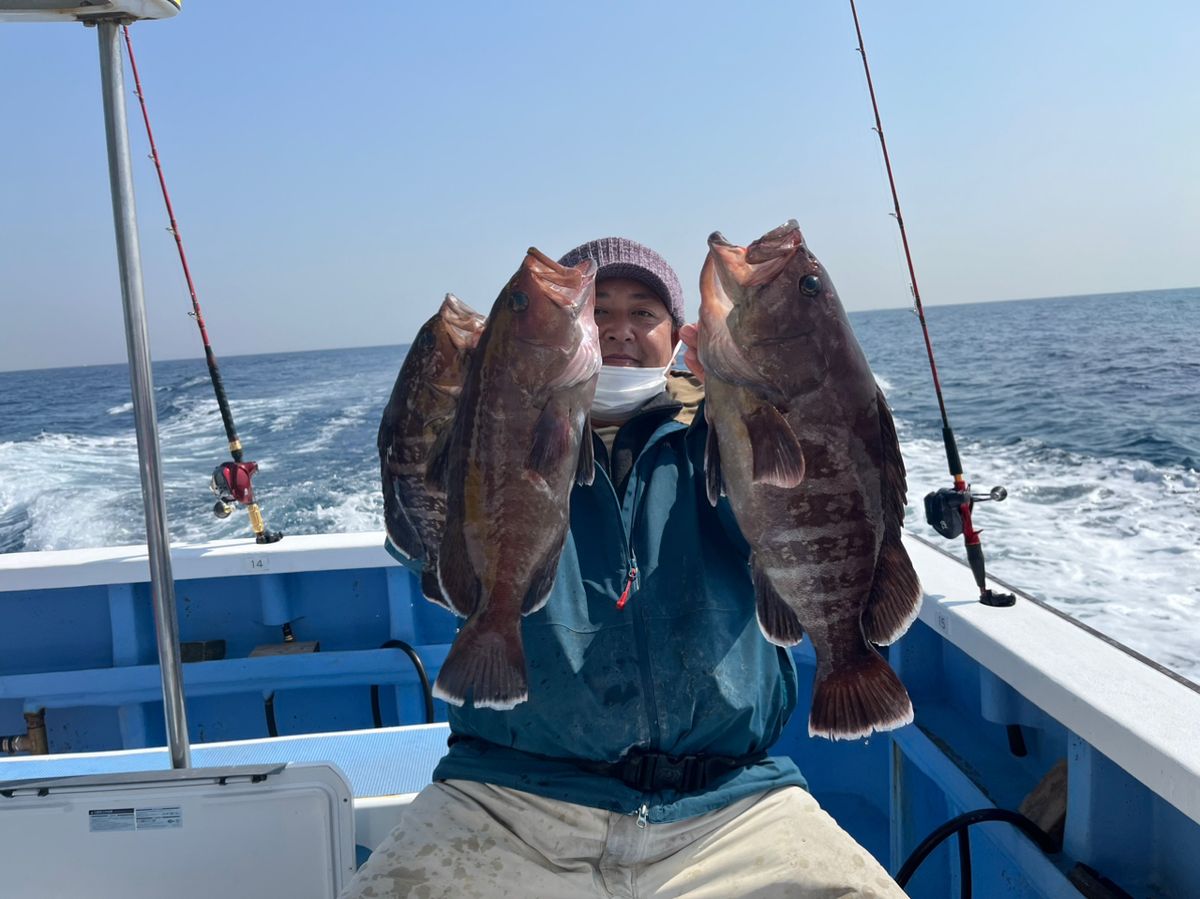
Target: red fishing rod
{"points": [[231, 481], [947, 510]]}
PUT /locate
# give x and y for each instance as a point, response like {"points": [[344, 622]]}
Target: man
{"points": [[638, 766]]}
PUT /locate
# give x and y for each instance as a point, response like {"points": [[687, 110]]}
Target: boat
{"points": [[291, 681]]}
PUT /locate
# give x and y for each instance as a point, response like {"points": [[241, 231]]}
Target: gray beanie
{"points": [[618, 257]]}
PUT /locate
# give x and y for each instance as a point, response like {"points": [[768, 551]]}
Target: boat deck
{"points": [[1002, 695]]}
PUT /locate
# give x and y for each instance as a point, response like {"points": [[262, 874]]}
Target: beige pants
{"points": [[462, 839]]}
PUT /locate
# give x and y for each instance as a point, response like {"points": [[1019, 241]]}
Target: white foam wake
{"points": [[1111, 542]]}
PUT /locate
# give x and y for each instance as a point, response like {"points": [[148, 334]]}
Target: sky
{"points": [[335, 174]]}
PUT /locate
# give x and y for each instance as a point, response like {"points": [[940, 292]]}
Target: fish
{"points": [[419, 411], [519, 442], [802, 443]]}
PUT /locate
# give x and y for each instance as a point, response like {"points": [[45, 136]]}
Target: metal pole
{"points": [[162, 584]]}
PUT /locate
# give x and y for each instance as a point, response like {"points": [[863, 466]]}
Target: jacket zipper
{"points": [[639, 630], [628, 581]]}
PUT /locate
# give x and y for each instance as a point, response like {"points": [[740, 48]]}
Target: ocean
{"points": [[1085, 408]]}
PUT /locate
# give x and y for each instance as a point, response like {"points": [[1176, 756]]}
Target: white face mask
{"points": [[621, 389]]}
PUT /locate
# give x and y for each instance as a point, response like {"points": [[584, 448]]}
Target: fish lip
{"points": [[784, 240], [762, 260], [568, 287]]}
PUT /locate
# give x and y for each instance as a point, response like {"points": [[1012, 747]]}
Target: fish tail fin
{"points": [[895, 597], [854, 699], [485, 663]]}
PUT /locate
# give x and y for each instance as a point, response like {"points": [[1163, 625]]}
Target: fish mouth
{"points": [[568, 287], [463, 324], [762, 261]]}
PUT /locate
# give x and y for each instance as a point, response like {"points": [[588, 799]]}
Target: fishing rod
{"points": [[947, 510], [231, 481]]}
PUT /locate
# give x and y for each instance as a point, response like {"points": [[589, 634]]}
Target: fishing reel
{"points": [[944, 508], [231, 483], [948, 512]]}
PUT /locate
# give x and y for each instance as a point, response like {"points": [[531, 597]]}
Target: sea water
{"points": [[1087, 409]]}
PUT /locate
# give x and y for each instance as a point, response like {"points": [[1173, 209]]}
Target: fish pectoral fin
{"points": [[777, 457], [713, 482], [552, 434], [776, 618], [585, 473], [457, 580]]}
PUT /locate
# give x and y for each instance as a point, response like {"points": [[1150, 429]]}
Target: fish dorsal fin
{"points": [[895, 597], [893, 477], [777, 457]]}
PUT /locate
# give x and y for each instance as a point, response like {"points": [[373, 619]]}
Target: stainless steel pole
{"points": [[137, 341]]}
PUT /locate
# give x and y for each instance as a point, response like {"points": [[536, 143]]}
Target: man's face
{"points": [[635, 326]]}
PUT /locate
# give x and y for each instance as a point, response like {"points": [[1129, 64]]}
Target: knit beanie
{"points": [[618, 257]]}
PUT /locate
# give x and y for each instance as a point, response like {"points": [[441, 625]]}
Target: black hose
{"points": [[426, 689], [269, 709], [960, 825], [964, 862]]}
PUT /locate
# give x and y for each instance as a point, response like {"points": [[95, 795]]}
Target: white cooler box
{"points": [[254, 831]]}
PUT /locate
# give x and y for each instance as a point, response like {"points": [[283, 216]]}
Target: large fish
{"points": [[420, 410], [518, 445], [802, 442]]}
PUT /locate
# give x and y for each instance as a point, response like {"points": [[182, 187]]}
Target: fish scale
{"points": [[801, 442], [416, 416], [516, 447]]}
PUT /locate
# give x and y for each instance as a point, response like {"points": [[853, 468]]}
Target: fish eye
{"points": [[518, 301], [428, 340], [810, 285]]}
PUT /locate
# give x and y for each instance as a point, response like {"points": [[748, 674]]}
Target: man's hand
{"points": [[690, 335]]}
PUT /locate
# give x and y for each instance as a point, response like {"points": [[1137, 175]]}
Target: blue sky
{"points": [[335, 174]]}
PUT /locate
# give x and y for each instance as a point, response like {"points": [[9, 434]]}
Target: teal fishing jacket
{"points": [[680, 668]]}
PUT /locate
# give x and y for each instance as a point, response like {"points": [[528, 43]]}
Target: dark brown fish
{"points": [[517, 447], [802, 442], [419, 410]]}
